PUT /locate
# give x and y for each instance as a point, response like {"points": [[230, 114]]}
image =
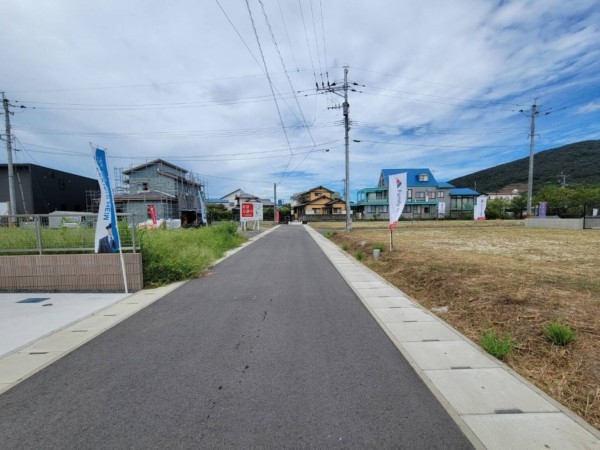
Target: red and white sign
{"points": [[251, 211]]}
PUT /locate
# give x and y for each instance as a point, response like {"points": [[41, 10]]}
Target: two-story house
{"points": [[168, 187], [318, 201], [427, 198]]}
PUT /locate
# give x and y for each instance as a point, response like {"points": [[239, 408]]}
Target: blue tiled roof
{"points": [[412, 177], [463, 191], [444, 185]]}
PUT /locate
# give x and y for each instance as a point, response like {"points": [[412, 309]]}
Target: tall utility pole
{"points": [[333, 88], [531, 145], [12, 206]]}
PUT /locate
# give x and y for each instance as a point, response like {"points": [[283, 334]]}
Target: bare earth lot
{"points": [[502, 276]]}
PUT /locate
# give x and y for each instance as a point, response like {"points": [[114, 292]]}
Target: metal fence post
{"points": [[38, 233]]}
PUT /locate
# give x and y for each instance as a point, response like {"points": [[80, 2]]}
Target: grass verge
{"points": [[175, 255]]}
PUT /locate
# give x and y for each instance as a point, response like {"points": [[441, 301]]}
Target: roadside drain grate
{"points": [[460, 367], [34, 300], [79, 331], [431, 340], [508, 411], [38, 353], [410, 321], [109, 315]]}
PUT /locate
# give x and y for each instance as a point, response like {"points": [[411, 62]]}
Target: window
{"points": [[417, 209], [426, 209], [420, 195], [317, 210], [423, 177], [440, 194], [337, 210], [408, 208], [382, 209]]}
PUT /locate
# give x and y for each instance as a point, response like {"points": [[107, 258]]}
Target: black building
{"points": [[40, 190]]}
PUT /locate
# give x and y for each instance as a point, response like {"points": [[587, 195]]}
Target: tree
{"points": [[218, 212], [518, 205], [496, 209]]}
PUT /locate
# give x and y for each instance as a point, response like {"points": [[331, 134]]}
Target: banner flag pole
{"points": [[107, 229], [397, 193]]}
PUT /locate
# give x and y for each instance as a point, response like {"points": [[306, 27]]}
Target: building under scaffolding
{"points": [[169, 188]]}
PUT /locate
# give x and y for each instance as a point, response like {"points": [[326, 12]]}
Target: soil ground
{"points": [[501, 276]]}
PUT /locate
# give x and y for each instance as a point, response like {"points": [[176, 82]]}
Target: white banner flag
{"points": [[107, 233], [479, 211], [397, 191]]}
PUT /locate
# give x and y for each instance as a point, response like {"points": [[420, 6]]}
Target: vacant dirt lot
{"points": [[504, 277]]}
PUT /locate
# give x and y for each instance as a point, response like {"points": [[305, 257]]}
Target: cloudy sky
{"points": [[227, 88]]}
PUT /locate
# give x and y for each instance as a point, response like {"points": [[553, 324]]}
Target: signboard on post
{"points": [[251, 212]]}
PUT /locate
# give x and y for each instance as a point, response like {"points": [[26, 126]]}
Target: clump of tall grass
{"points": [[176, 255], [498, 346], [559, 334]]}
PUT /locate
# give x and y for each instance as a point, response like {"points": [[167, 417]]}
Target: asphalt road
{"points": [[272, 350]]}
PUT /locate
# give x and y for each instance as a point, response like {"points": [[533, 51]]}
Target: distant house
{"points": [[427, 198], [317, 201], [233, 200], [508, 192], [41, 190], [170, 188]]}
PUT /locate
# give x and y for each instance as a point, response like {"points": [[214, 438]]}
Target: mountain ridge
{"points": [[578, 162]]}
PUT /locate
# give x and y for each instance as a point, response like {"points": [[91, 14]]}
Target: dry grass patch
{"points": [[509, 279]]}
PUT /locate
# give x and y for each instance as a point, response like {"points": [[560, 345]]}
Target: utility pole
{"points": [[275, 203], [12, 206], [531, 145], [333, 88]]}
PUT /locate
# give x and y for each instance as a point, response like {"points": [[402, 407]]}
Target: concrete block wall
{"points": [[569, 224], [70, 273]]}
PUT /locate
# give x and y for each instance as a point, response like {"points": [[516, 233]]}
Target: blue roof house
{"points": [[426, 197]]}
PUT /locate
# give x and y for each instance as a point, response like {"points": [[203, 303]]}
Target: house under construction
{"points": [[169, 188]]}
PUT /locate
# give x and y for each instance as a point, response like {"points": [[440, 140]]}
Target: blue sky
{"points": [[438, 84]]}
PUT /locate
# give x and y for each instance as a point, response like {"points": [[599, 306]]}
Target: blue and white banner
{"points": [[397, 192], [107, 233]]}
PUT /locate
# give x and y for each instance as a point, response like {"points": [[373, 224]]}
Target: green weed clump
{"points": [[345, 247], [380, 247], [498, 346], [559, 334], [176, 255], [359, 256]]}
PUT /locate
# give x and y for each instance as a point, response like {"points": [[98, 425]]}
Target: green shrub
{"points": [[330, 234], [345, 247], [175, 255], [359, 256], [497, 346], [380, 247], [559, 334]]}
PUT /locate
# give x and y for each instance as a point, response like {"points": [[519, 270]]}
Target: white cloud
{"points": [[183, 85]]}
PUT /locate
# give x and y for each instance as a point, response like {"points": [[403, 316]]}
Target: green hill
{"points": [[580, 162]]}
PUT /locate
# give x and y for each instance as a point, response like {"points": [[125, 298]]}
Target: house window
{"points": [[409, 194], [417, 209], [408, 209], [382, 209], [440, 194], [317, 210], [337, 210], [423, 177], [420, 195]]}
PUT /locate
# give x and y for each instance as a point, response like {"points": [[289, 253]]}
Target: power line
{"points": [[288, 35], [286, 71], [308, 44]]}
